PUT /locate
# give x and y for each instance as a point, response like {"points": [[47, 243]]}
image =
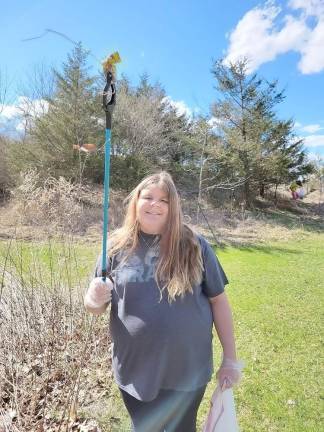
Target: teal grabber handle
{"points": [[109, 101]]}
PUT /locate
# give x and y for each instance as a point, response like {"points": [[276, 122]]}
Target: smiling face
{"points": [[152, 209]]}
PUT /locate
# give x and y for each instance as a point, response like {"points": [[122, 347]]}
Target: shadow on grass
{"points": [[255, 247], [307, 216], [299, 217]]}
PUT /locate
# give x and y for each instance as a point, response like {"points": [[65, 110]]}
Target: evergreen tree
{"points": [[72, 119], [257, 147]]}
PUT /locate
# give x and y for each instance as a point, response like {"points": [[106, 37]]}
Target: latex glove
{"points": [[98, 295], [229, 373]]}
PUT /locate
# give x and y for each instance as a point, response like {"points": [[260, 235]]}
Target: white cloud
{"points": [[10, 111], [215, 123], [21, 126], [33, 108], [314, 141], [263, 34], [180, 107], [316, 157], [312, 128], [24, 105], [23, 111], [313, 52], [309, 7]]}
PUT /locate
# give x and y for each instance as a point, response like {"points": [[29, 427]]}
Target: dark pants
{"points": [[170, 411]]}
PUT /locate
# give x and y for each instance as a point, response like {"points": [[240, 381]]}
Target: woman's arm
{"points": [[229, 372], [223, 321]]}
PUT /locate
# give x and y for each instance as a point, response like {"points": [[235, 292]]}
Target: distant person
{"points": [[300, 190], [167, 293], [293, 188]]}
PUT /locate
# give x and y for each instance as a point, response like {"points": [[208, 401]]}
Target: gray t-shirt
{"points": [[157, 344]]}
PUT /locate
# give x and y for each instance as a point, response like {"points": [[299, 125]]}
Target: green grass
{"points": [[276, 295], [51, 260]]}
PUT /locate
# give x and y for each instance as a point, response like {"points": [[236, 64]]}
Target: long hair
{"points": [[179, 265]]}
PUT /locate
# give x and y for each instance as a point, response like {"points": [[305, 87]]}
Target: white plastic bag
{"points": [[221, 416]]}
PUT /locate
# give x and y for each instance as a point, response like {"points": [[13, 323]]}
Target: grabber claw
{"points": [[109, 93], [109, 63]]}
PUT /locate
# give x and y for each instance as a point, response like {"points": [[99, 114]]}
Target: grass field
{"points": [[276, 292], [276, 295]]}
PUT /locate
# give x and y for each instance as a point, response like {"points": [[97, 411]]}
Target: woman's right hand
{"points": [[98, 295]]}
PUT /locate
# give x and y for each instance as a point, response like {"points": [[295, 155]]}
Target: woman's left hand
{"points": [[229, 373]]}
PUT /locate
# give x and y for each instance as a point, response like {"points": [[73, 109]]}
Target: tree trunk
{"points": [[200, 176], [276, 200]]}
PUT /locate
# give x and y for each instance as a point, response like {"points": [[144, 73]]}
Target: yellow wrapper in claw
{"points": [[109, 63]]}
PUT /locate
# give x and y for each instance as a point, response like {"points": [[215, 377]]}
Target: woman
{"points": [[293, 188], [168, 291]]}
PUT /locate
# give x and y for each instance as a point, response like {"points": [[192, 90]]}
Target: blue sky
{"points": [[175, 42]]}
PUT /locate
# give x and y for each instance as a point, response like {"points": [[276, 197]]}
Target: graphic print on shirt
{"points": [[135, 270]]}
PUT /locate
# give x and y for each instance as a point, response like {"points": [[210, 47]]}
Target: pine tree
{"points": [[73, 118], [256, 146]]}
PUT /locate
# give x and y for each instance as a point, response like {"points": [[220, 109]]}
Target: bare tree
{"points": [[5, 175], [35, 94], [138, 125], [3, 90]]}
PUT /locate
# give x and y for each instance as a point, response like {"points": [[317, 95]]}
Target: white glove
{"points": [[229, 373], [98, 294]]}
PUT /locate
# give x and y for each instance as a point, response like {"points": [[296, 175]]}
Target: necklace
{"points": [[150, 244]]}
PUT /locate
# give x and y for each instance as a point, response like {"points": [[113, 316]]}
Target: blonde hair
{"points": [[180, 264]]}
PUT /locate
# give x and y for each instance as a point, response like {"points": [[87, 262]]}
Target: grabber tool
{"points": [[108, 104]]}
